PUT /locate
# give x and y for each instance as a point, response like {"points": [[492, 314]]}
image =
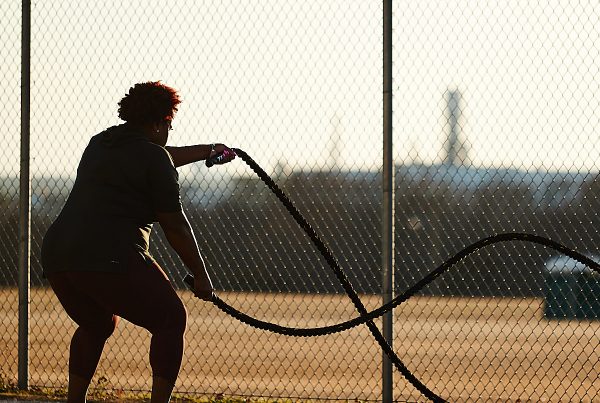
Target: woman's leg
{"points": [[95, 326], [159, 309], [142, 295], [146, 298]]}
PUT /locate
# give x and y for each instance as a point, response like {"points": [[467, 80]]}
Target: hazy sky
{"points": [[299, 83]]}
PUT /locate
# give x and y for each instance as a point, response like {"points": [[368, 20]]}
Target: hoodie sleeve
{"points": [[163, 181]]}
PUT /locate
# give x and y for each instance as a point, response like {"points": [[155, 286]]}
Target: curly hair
{"points": [[149, 102]]}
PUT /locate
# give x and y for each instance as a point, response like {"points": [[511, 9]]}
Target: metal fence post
{"points": [[388, 198], [24, 200]]}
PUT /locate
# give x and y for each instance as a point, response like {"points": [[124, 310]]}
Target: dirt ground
{"points": [[464, 349]]}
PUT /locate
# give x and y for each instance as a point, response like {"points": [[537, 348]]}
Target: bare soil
{"points": [[464, 349]]}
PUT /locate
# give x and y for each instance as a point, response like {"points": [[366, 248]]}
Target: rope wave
{"points": [[364, 316]]}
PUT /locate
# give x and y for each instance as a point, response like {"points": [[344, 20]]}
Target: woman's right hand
{"points": [[227, 153]]}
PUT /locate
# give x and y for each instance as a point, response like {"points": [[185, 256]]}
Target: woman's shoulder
{"points": [[155, 153], [154, 149], [133, 143]]}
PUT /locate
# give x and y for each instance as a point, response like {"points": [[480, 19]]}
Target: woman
{"points": [[95, 255]]}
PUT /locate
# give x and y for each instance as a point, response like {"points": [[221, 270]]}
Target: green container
{"points": [[572, 290]]}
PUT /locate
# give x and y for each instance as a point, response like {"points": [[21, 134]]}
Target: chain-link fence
{"points": [[495, 130]]}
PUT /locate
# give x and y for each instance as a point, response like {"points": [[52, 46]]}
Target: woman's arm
{"points": [[180, 236], [188, 154]]}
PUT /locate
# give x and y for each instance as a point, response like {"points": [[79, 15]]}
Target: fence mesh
{"points": [[494, 130]]}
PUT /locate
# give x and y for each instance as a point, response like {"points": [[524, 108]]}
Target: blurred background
{"points": [[495, 129]]}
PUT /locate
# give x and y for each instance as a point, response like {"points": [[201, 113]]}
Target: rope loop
{"points": [[364, 316]]}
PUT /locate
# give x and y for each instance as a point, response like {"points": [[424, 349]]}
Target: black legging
{"points": [[142, 295]]}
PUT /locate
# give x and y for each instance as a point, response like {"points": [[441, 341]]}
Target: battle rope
{"points": [[367, 317]]}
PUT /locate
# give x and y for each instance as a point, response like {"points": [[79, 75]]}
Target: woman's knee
{"points": [[176, 319], [100, 329], [171, 319]]}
